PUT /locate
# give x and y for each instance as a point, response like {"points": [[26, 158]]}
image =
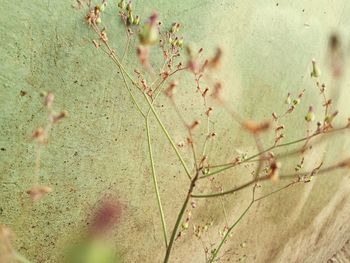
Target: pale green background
{"points": [[101, 149]]}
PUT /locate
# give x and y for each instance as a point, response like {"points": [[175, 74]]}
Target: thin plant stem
{"points": [[122, 69], [214, 255], [165, 131], [314, 172], [180, 216], [276, 191], [231, 165], [155, 183]]}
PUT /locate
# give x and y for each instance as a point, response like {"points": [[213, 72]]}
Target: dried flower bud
{"points": [[103, 36], [274, 171], [301, 94], [330, 118], [171, 89], [210, 109], [39, 134], [193, 65], [49, 98], [103, 6], [296, 101], [194, 124], [288, 99], [204, 93], [38, 192], [148, 35], [193, 204], [212, 135], [215, 61], [281, 127], [254, 127], [315, 73], [345, 164], [310, 116], [58, 117], [217, 90], [129, 6], [137, 20], [274, 116], [121, 4], [175, 28], [327, 103], [143, 55], [97, 45], [130, 18]]}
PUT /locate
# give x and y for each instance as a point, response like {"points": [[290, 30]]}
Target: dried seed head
{"points": [[315, 73], [58, 117], [39, 134], [38, 192], [195, 124], [330, 118], [217, 90], [296, 101], [49, 98], [148, 34], [288, 99], [96, 44], [171, 89], [143, 55], [137, 20], [153, 18], [334, 42], [274, 171], [175, 28], [254, 127], [274, 116], [212, 135], [215, 61], [210, 109], [281, 127], [130, 18], [103, 36], [121, 4], [193, 65], [345, 164], [129, 6], [327, 103], [193, 204], [310, 116]]}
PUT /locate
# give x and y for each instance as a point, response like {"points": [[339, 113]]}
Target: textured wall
{"points": [[101, 148]]}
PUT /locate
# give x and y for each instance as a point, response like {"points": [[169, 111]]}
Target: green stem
{"points": [[122, 69], [228, 166], [168, 136], [179, 217], [228, 233], [236, 189], [155, 183], [131, 94]]}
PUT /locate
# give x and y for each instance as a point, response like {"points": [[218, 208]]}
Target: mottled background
{"points": [[100, 150]]}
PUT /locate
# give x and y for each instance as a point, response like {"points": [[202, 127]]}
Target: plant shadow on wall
{"points": [[153, 82]]}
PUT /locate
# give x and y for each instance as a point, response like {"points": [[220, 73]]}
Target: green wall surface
{"points": [[101, 148]]}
